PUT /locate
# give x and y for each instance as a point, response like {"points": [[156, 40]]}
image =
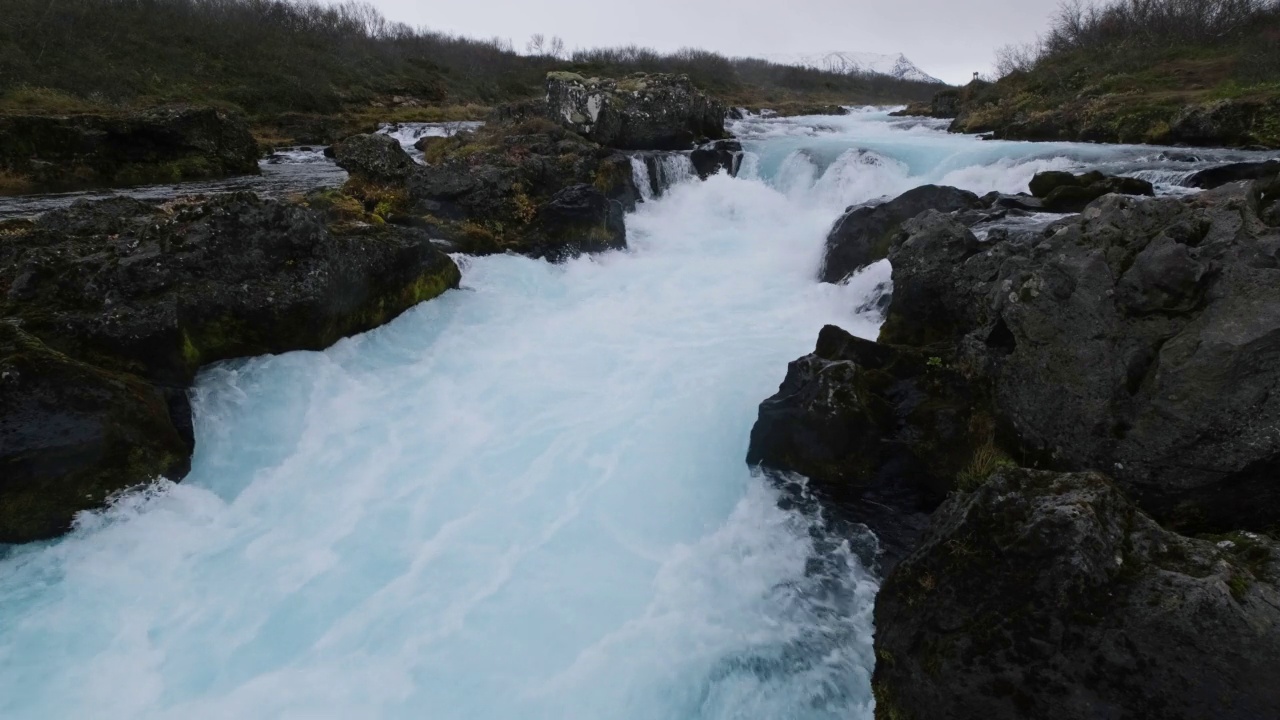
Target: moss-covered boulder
{"points": [[120, 303], [882, 433], [638, 112], [169, 144], [1045, 595], [525, 187], [71, 434], [375, 157], [162, 291]]}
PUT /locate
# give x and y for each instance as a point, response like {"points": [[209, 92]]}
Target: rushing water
{"points": [[525, 499]]}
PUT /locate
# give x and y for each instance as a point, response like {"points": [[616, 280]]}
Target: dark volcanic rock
{"points": [[1051, 596], [879, 431], [161, 292], [159, 145], [1066, 193], [638, 112], [945, 105], [1141, 338], [864, 234], [1235, 172], [716, 156], [378, 158], [495, 190], [70, 435], [120, 303], [581, 219]]}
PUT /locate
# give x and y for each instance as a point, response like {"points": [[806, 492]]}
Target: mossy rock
{"points": [[71, 435]]}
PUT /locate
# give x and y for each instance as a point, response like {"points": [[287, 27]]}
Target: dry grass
{"points": [[25, 99], [13, 184]]}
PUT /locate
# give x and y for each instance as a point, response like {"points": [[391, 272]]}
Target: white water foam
{"points": [[640, 176], [524, 499], [408, 134]]}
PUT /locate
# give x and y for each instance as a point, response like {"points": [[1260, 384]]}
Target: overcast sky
{"points": [[949, 39]]}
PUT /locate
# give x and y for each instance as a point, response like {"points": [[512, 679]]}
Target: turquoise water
{"points": [[525, 499]]}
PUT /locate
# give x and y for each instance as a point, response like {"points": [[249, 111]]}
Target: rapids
{"points": [[525, 499]]}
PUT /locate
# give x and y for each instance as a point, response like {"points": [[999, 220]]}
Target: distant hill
{"points": [[895, 66]]}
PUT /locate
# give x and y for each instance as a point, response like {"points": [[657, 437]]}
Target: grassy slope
{"points": [[1136, 95]]}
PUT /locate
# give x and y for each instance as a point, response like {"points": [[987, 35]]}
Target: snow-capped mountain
{"points": [[848, 62]]}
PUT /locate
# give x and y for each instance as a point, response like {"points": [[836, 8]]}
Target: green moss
{"points": [[1239, 585], [138, 442], [886, 707], [427, 286]]}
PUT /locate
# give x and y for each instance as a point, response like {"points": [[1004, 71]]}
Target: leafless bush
{"points": [[1016, 58], [1079, 25]]}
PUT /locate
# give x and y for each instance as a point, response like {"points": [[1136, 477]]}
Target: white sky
{"points": [[949, 39]]}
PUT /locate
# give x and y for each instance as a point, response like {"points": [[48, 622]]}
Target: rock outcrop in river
{"points": [[534, 180], [530, 187], [109, 309], [638, 112], [160, 145], [1131, 352], [864, 234]]}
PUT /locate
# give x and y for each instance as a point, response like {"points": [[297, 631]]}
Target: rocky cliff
{"points": [[1129, 355]]}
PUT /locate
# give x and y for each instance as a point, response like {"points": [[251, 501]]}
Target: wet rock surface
{"points": [[1130, 354], [1050, 595], [1063, 192], [119, 303], [863, 235], [71, 434], [1235, 172], [1137, 338], [880, 431]]}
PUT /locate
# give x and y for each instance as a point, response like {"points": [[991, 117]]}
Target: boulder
{"points": [[1051, 596], [1140, 338], [71, 434], [120, 303], [863, 235], [881, 433], [167, 144], [638, 112], [374, 157], [713, 157], [164, 291], [1063, 192], [1235, 172], [496, 189], [580, 219], [945, 105]]}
